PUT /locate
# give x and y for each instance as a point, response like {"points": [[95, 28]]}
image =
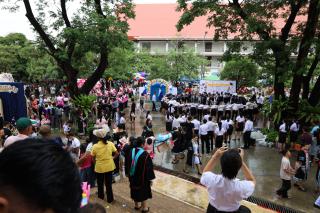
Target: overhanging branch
{"points": [[33, 21]]}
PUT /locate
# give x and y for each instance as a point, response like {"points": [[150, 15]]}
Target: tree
{"points": [[256, 20], [178, 63], [12, 57], [92, 32], [244, 71]]}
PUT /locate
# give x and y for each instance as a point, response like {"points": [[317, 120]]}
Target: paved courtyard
{"points": [[264, 162]]}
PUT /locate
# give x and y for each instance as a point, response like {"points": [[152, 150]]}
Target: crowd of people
{"points": [[201, 125]]}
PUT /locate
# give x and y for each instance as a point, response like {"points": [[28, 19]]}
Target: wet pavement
{"points": [[263, 161]]}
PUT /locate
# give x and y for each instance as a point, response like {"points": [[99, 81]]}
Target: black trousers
{"points": [[204, 140], [210, 139], [283, 191], [246, 139], [242, 209], [105, 179]]}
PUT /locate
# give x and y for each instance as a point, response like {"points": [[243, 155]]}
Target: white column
{"points": [[225, 47], [167, 46], [196, 47], [138, 47]]}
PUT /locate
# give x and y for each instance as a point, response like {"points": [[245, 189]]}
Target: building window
{"points": [[208, 47], [146, 46]]}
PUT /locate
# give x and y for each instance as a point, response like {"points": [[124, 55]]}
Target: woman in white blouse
{"points": [[225, 190]]}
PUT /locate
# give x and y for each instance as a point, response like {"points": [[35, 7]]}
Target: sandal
{"points": [[145, 211], [137, 208]]}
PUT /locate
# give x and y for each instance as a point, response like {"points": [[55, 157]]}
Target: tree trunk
{"points": [[278, 81], [306, 87], [295, 90], [315, 94]]}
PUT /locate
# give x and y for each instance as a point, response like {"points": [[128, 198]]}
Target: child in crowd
{"points": [[286, 172]]}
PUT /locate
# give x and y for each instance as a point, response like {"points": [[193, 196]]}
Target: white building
{"points": [[154, 29]]}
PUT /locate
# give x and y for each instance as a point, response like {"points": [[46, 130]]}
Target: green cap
{"points": [[23, 123]]}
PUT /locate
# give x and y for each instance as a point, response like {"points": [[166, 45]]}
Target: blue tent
{"points": [[13, 100]]}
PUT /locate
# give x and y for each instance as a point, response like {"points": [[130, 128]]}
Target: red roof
{"points": [[158, 21]]}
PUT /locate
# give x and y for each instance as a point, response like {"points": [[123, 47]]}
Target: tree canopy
{"points": [[80, 40], [243, 70], [286, 35], [25, 60]]}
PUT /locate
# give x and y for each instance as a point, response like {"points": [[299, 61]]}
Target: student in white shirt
{"points": [[219, 134], [225, 190], [282, 135], [203, 132], [286, 171], [154, 100], [229, 130], [176, 122], [294, 129], [211, 128], [248, 127], [196, 123], [240, 120]]}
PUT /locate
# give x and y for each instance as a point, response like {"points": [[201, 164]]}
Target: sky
{"points": [[17, 22]]}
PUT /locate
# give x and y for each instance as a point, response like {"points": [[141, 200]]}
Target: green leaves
{"points": [[309, 113], [242, 70], [84, 103]]}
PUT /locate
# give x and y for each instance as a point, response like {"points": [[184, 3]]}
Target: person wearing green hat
{"points": [[24, 127]]}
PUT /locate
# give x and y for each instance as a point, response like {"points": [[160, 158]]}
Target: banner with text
{"points": [[217, 86]]}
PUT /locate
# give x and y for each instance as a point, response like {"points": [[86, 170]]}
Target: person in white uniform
{"points": [[225, 190]]}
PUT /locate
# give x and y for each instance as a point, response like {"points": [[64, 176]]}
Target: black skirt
{"points": [[282, 137], [219, 140], [240, 127], [293, 136], [230, 130], [168, 126]]}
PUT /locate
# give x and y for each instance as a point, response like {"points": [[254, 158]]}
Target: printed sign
{"points": [[217, 86]]}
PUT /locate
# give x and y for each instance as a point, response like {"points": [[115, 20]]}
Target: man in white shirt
{"points": [[203, 132], [248, 127], [225, 190], [154, 100], [286, 171], [24, 127]]}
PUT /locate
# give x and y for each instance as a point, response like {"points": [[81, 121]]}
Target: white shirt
{"points": [[175, 123], [282, 128], [230, 122], [203, 130], [240, 119], [248, 126], [285, 165], [12, 139], [260, 100], [75, 143], [294, 127], [225, 194], [122, 120], [220, 132], [206, 117], [221, 107], [235, 107], [225, 124], [154, 98], [149, 117], [196, 124], [211, 126]]}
